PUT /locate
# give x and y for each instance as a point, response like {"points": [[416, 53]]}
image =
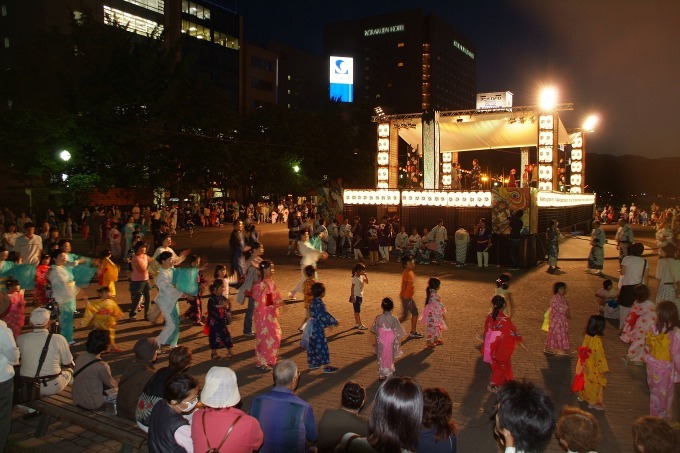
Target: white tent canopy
{"points": [[483, 131]]}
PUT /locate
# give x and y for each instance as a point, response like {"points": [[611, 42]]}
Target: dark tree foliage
{"points": [[134, 114]]}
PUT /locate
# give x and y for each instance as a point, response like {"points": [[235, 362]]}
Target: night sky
{"points": [[617, 58]]}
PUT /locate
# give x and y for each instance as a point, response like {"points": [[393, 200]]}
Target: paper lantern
{"points": [[384, 130], [576, 167], [575, 180], [546, 122], [383, 144], [576, 154], [545, 138]]}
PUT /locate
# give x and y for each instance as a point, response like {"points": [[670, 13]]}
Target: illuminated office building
{"points": [[406, 62]]}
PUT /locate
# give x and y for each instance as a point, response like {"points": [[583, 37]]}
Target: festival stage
{"points": [[552, 188]]}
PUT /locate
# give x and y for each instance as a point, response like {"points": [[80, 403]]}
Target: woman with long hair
{"points": [[500, 338]]}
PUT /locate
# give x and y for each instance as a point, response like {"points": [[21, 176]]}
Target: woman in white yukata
{"points": [[166, 300]]}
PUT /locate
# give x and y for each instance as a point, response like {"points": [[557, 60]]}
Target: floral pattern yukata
{"points": [[14, 316], [102, 314], [500, 339], [267, 329], [433, 318], [40, 290], [593, 364], [389, 333], [317, 352], [663, 373], [217, 323], [558, 333], [640, 320]]}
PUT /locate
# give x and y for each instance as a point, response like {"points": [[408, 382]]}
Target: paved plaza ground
{"points": [[456, 366]]}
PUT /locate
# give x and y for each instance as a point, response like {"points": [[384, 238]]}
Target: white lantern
{"points": [[447, 157], [446, 180], [545, 154], [383, 144], [576, 154], [575, 180], [576, 167], [384, 130], [545, 138], [575, 190], [546, 122], [545, 172], [382, 185], [578, 142], [546, 186]]}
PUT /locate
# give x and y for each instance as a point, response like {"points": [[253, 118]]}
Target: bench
{"points": [[61, 407]]}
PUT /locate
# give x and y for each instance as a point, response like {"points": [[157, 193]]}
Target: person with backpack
{"points": [[662, 356]]}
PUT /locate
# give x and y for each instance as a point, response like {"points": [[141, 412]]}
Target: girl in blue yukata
{"points": [[317, 348]]}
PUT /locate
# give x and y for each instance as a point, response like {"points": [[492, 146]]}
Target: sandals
{"points": [[430, 345], [215, 356], [438, 343]]}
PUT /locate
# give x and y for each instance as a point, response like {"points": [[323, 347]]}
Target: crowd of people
{"points": [[404, 417]]}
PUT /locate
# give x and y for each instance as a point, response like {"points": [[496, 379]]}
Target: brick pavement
{"points": [[456, 366]]}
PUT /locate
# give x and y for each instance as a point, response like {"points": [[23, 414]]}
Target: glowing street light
{"points": [[547, 99], [296, 168], [65, 155], [590, 123]]}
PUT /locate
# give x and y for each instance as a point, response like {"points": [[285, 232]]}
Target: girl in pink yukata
{"points": [[14, 316], [389, 332], [267, 329], [433, 315], [639, 321], [558, 332], [662, 356]]}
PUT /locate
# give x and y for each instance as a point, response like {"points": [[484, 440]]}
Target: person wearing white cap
{"points": [[57, 369], [220, 425]]}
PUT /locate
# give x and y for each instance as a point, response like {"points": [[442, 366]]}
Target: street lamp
{"points": [[296, 168], [65, 155]]}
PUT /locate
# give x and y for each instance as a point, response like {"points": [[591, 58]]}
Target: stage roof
{"points": [[483, 131]]}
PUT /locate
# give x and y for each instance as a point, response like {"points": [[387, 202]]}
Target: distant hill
{"points": [[632, 174]]}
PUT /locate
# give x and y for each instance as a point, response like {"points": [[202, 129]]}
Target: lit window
{"points": [[400, 64], [289, 77], [152, 5], [195, 10], [224, 40], [288, 91], [195, 30], [132, 23], [401, 44]]}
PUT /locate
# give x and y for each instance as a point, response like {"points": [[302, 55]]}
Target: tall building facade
{"points": [[205, 30], [406, 62]]}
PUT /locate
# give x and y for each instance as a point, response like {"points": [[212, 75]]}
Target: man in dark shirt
{"points": [[138, 374], [516, 225]]}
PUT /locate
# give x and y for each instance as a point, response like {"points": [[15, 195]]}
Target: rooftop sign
{"points": [[384, 30], [463, 49]]}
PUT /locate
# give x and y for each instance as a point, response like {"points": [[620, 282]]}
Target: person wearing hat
{"points": [[57, 369], [139, 372], [219, 415]]}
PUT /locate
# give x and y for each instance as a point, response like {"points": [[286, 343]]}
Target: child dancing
{"points": [[433, 315], [389, 332], [592, 364], [317, 349], [500, 339]]}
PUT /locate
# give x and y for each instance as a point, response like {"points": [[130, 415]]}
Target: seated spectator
{"points": [[336, 422], [169, 429], [179, 360], [93, 384], [577, 430], [438, 432], [57, 369], [220, 416], [653, 435], [525, 418], [394, 422], [286, 419], [137, 374], [9, 357]]}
